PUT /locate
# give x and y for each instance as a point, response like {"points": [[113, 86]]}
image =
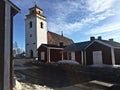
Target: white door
{"points": [[97, 57], [72, 55], [42, 55]]}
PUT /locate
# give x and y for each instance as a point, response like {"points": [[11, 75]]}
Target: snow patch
{"points": [[29, 86], [68, 62]]}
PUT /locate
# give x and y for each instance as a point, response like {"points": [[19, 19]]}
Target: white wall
{"points": [[30, 40], [41, 32], [39, 36]]}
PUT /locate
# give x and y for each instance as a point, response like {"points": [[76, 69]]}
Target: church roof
{"points": [[56, 39]]}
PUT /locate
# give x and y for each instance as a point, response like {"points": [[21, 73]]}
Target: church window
{"points": [[30, 35], [30, 24], [41, 24], [32, 11], [39, 12]]}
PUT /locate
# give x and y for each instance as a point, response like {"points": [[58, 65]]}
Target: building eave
{"points": [[13, 6]]}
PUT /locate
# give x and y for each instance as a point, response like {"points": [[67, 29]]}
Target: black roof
{"points": [[83, 45], [77, 46], [52, 46], [112, 43]]}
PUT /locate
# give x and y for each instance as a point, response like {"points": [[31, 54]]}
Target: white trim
{"points": [[7, 47], [85, 57], [113, 56], [100, 43], [12, 5], [81, 57]]}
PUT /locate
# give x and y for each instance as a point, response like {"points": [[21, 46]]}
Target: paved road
{"points": [[57, 78]]}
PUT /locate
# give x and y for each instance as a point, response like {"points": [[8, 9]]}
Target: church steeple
{"points": [[36, 11], [36, 31]]}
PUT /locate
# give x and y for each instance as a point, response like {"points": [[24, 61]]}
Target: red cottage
{"points": [[95, 51], [50, 53]]}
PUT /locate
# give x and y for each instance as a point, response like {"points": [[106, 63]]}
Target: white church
{"points": [[37, 34]]}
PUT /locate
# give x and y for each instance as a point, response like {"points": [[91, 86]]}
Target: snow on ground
{"points": [[68, 62], [26, 86], [105, 65]]}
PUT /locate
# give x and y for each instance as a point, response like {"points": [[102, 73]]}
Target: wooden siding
{"points": [[117, 56], [2, 33], [78, 57], [55, 55], [42, 49], [65, 56], [106, 53]]}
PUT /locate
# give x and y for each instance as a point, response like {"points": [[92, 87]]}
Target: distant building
{"points": [[95, 51], [37, 34]]}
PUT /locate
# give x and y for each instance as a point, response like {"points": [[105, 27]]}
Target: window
{"points": [[30, 24], [41, 24], [42, 55], [39, 12], [30, 35], [32, 11], [71, 55]]}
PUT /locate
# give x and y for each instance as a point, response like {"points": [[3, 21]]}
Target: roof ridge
{"points": [[60, 35]]}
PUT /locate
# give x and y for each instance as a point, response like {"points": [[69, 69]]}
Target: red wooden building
{"points": [[7, 11], [51, 53], [95, 51]]}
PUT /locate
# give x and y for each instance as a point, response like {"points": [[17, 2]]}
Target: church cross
{"points": [[35, 1]]}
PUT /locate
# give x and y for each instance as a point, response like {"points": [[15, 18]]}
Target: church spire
{"points": [[35, 1]]}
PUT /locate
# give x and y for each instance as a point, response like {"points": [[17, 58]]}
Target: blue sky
{"points": [[78, 19]]}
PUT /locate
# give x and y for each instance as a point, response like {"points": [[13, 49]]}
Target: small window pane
{"points": [[30, 24], [41, 24]]}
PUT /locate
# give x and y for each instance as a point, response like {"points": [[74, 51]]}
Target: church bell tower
{"points": [[36, 31]]}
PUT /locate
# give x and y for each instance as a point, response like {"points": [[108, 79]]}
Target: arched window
{"points": [[30, 24], [41, 24]]}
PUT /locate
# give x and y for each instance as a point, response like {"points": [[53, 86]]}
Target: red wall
{"points": [[55, 55], [106, 53], [117, 56], [42, 49], [78, 57]]}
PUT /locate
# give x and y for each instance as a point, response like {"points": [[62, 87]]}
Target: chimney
{"points": [[92, 38], [111, 40], [99, 38]]}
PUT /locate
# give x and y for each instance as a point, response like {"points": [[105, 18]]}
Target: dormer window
{"points": [[30, 24], [41, 24]]}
